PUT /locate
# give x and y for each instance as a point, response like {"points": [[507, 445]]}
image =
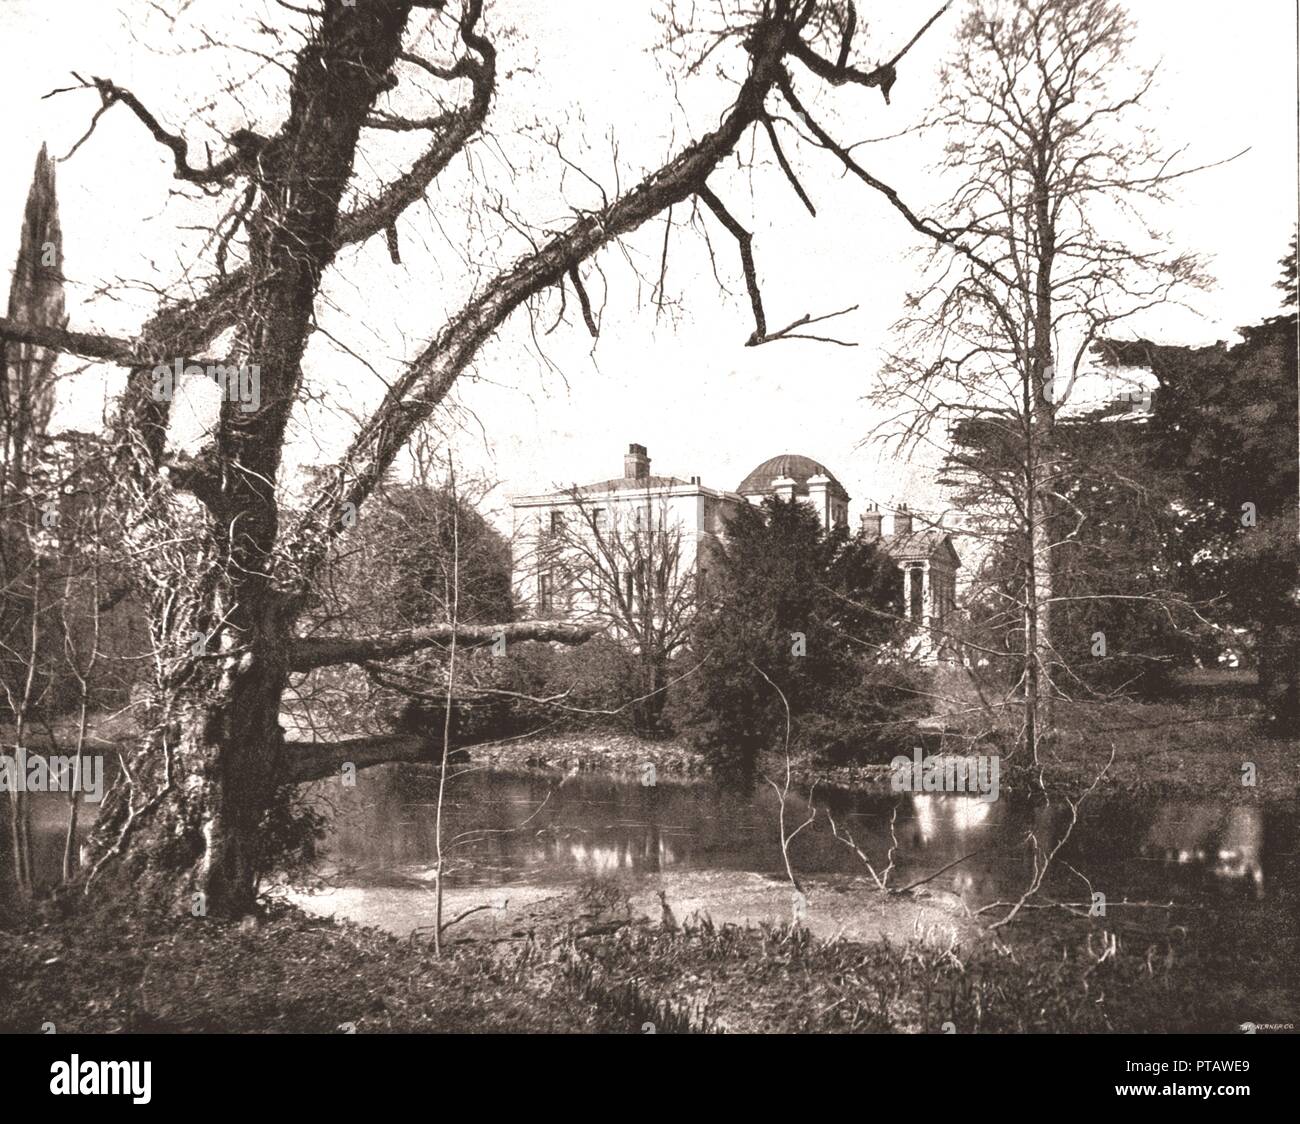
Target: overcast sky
{"points": [[680, 382]]}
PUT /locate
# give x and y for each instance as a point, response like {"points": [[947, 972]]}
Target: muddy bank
{"points": [[841, 908]]}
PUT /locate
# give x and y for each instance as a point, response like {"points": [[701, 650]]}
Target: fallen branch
{"points": [[313, 761], [312, 652]]}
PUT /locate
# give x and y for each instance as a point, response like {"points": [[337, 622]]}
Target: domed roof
{"points": [[798, 468]]}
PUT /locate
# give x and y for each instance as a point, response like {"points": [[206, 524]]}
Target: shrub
{"points": [[589, 684], [873, 721]]}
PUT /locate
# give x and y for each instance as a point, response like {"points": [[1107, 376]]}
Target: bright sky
{"points": [[680, 383]]}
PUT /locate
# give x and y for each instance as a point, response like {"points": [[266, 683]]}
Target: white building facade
{"points": [[554, 534], [634, 514]]}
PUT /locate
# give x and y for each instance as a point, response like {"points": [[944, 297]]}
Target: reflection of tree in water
{"points": [[948, 827], [503, 826], [948, 819], [643, 848], [1227, 843], [519, 826], [1158, 845]]}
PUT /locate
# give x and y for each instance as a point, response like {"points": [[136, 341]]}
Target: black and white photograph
{"points": [[649, 518]]}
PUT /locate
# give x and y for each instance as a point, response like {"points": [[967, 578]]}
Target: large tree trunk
{"points": [[190, 817], [1040, 418], [1036, 534], [203, 782]]}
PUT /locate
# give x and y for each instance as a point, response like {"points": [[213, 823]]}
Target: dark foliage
{"points": [[1224, 428], [815, 613], [398, 562]]}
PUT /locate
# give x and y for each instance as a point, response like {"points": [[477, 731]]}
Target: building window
{"points": [[544, 592], [598, 519], [557, 522], [562, 592]]}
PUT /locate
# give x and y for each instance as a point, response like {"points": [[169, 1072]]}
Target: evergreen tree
{"points": [[1225, 424], [817, 614], [27, 383]]}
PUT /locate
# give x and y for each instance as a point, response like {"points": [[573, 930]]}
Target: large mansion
{"points": [[636, 519]]}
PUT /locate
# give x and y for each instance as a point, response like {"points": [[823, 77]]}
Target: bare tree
{"points": [[228, 563], [55, 653], [798, 900], [627, 569], [1052, 208]]}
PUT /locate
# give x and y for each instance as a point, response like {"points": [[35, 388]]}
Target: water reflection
{"points": [[936, 819], [1228, 842], [505, 828], [511, 828]]}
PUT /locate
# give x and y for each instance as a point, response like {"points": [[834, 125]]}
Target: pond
{"points": [[515, 834], [530, 830]]}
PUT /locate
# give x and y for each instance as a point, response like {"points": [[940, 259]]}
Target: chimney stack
{"points": [[871, 523], [902, 520], [783, 488], [636, 464]]}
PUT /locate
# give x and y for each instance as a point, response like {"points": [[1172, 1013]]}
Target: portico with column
{"points": [[916, 593], [928, 565]]}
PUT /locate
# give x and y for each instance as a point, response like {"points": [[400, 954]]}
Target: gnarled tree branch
{"points": [[247, 145], [744, 242], [428, 379], [921, 225]]}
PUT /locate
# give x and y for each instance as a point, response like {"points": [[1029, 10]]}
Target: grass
{"points": [[1056, 976], [100, 971], [1194, 744]]}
